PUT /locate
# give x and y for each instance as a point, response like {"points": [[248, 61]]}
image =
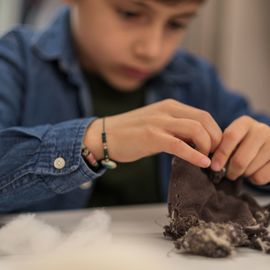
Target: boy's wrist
{"points": [[92, 139]]}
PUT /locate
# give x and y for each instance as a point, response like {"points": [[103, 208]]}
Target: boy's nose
{"points": [[148, 46]]}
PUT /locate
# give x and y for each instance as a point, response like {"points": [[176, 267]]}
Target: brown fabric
{"points": [[210, 216]]}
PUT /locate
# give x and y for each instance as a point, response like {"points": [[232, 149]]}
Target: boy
{"points": [[113, 58]]}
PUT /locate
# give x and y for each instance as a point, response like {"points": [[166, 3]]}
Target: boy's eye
{"points": [[177, 25], [128, 14]]}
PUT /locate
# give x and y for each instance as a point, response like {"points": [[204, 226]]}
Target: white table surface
{"points": [[144, 223]]}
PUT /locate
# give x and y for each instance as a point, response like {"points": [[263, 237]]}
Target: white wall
{"points": [[235, 35], [9, 12], [246, 58]]}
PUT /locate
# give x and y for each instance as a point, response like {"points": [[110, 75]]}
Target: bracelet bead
{"points": [[106, 162]]}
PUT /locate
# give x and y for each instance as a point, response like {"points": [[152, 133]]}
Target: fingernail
{"points": [[206, 162], [215, 166]]}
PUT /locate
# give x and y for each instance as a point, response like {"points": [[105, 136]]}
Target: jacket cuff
{"points": [[60, 155]]}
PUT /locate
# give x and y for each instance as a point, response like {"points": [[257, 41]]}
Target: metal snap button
{"points": [[59, 163]]}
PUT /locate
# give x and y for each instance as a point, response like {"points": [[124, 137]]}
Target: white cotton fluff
{"points": [[91, 231], [27, 235], [31, 244]]}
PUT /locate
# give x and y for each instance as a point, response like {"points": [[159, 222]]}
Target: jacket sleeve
{"points": [[28, 155]]}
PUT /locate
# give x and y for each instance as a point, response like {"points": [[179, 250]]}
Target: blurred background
{"points": [[233, 34]]}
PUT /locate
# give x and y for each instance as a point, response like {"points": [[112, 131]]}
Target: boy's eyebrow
{"points": [[185, 15], [181, 15]]}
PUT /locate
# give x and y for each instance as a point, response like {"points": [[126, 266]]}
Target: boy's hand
{"points": [[166, 126], [246, 147]]}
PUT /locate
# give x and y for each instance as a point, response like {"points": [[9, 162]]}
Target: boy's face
{"points": [[128, 41]]}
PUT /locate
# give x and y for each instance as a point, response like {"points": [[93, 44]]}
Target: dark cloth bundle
{"points": [[210, 216]]}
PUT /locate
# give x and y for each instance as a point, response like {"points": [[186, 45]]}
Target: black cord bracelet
{"points": [[106, 162]]}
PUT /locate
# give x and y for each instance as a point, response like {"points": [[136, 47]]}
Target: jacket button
{"points": [[59, 163], [86, 185]]}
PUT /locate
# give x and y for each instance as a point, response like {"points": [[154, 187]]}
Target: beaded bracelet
{"points": [[106, 162], [89, 156]]}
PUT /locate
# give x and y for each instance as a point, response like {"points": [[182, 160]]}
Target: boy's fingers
{"points": [[212, 127], [260, 160], [207, 121], [262, 176], [244, 155], [174, 146], [232, 136], [190, 130]]}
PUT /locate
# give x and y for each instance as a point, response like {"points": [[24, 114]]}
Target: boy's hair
{"points": [[173, 2]]}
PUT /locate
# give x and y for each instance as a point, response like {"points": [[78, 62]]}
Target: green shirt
{"points": [[129, 183]]}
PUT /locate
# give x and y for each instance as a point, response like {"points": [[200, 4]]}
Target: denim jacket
{"points": [[45, 108]]}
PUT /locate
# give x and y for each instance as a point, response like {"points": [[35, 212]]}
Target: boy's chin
{"points": [[127, 86]]}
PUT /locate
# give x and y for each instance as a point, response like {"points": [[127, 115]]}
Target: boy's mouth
{"points": [[135, 73]]}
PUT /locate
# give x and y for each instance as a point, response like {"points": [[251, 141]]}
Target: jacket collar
{"points": [[179, 70], [55, 42]]}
